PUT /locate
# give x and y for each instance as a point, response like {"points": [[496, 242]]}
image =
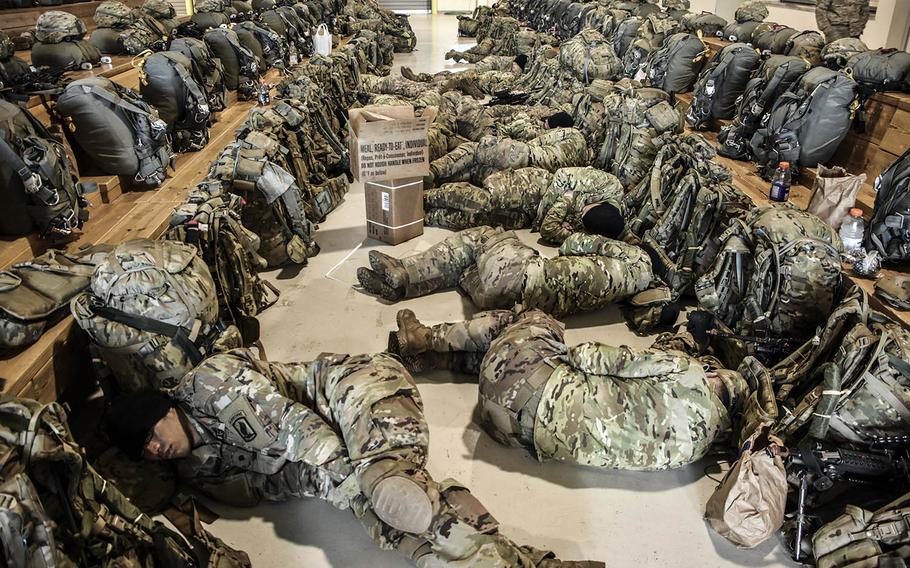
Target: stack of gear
{"points": [[776, 276], [37, 293], [807, 123], [721, 83], [240, 69], [209, 14], [12, 68], [676, 65], [162, 12], [274, 48], [286, 23], [206, 66], [122, 30], [369, 15], [775, 76], [649, 37], [116, 131], [167, 83], [748, 17], [210, 220], [681, 211], [705, 23], [40, 191], [59, 511], [274, 206], [152, 313], [633, 119], [59, 42]]}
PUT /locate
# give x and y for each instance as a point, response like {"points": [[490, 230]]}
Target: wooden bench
{"points": [[44, 369]]}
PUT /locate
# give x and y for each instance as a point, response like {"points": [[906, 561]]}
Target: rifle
{"points": [[886, 459]]}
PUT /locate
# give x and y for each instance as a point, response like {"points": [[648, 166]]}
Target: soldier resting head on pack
{"points": [[603, 219], [347, 429]]}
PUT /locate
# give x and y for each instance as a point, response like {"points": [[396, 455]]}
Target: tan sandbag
{"points": [[748, 505], [834, 194]]}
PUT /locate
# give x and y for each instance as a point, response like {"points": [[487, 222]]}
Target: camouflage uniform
{"points": [[275, 431], [475, 161], [842, 18], [524, 198], [590, 404], [497, 270], [488, 81]]}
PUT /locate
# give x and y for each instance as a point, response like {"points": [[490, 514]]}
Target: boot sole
{"points": [[373, 284]]}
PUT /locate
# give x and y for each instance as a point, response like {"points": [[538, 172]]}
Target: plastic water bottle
{"points": [[852, 230], [780, 183]]}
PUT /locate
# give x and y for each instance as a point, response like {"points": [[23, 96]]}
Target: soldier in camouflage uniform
{"points": [[842, 18], [553, 204], [347, 429], [498, 271], [590, 404], [491, 75], [475, 161]]}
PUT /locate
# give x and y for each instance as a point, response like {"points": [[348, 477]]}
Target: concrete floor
{"points": [[622, 518]]}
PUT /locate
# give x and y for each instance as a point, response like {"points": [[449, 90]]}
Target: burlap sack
{"points": [[834, 194], [748, 505]]}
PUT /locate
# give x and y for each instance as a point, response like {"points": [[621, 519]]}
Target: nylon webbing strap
{"points": [[179, 334]]}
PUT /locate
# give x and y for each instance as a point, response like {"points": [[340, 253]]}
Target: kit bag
{"points": [[207, 66], [807, 45], [37, 181], [707, 23], [152, 313], [889, 230], [210, 220], [625, 34], [589, 56], [249, 40], [116, 129], [721, 83], [834, 193], [274, 48], [166, 82], [836, 54], [772, 38], [865, 538], [59, 42], [882, 70], [241, 72], [740, 31], [807, 123], [676, 65], [36, 294], [12, 69], [775, 76]]}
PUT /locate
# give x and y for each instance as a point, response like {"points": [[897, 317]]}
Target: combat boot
{"points": [[464, 85], [376, 285], [413, 336], [451, 54], [408, 74], [389, 269], [427, 361], [400, 500]]}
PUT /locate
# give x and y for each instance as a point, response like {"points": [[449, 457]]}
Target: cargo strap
{"points": [[182, 337]]}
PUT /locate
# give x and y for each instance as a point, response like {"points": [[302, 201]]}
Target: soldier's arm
{"points": [[560, 221], [584, 244], [595, 358]]}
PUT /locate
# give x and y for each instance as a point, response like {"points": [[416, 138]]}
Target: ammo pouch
{"points": [[863, 538], [36, 293]]}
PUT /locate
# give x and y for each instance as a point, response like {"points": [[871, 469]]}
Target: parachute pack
{"points": [[676, 65], [40, 191], [118, 131], [207, 66], [241, 71], [889, 229], [166, 82], [59, 42], [721, 83]]}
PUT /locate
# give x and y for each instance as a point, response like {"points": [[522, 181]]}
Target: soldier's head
{"points": [[603, 219], [560, 120], [148, 425], [518, 66]]}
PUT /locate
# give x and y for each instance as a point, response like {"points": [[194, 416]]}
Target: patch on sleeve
{"points": [[243, 423]]}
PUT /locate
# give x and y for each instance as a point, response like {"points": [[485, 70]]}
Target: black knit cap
{"points": [[560, 120], [521, 60], [131, 417], [604, 219]]}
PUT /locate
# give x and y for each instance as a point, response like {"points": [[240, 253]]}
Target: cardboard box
{"points": [[389, 142], [394, 209]]}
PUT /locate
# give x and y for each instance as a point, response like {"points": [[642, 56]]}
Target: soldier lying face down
{"points": [[532, 198], [589, 404], [475, 161], [497, 270], [347, 429], [491, 75]]}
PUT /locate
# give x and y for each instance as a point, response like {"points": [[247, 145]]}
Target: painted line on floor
{"points": [[342, 261]]}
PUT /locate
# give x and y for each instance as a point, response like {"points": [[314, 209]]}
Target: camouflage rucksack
{"points": [[865, 538], [114, 14], [751, 11], [210, 220], [144, 34], [808, 45], [274, 209], [209, 6], [836, 54], [54, 27], [589, 56], [159, 9], [152, 312], [776, 276], [56, 511]]}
